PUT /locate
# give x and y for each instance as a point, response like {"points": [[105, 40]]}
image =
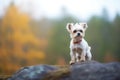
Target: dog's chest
{"points": [[77, 49]]}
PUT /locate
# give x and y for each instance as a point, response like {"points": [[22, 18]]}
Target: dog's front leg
{"points": [[73, 57], [82, 56]]}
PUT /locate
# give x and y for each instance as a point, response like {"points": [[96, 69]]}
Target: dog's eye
{"points": [[81, 31], [74, 31]]}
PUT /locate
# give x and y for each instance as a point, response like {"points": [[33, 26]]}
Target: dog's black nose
{"points": [[78, 34]]}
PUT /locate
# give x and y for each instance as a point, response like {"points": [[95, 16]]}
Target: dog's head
{"points": [[77, 31]]}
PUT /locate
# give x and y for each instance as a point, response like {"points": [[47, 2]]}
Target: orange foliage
{"points": [[109, 57], [19, 47], [61, 61]]}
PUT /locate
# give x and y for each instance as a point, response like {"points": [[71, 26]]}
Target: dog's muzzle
{"points": [[78, 34]]}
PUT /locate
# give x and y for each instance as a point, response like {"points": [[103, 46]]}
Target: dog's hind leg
{"points": [[88, 54]]}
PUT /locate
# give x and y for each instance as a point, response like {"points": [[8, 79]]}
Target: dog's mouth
{"points": [[78, 38]]}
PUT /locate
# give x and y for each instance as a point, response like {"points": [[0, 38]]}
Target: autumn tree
{"points": [[18, 45]]}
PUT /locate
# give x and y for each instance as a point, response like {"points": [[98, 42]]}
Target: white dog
{"points": [[79, 48]]}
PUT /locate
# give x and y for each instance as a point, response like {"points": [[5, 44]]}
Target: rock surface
{"points": [[95, 71], [90, 70], [32, 72]]}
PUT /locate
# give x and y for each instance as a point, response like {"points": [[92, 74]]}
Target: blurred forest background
{"points": [[25, 41]]}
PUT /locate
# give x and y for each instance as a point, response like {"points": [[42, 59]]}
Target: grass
{"points": [[4, 77]]}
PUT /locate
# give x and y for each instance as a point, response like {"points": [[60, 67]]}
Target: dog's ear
{"points": [[69, 26], [84, 25]]}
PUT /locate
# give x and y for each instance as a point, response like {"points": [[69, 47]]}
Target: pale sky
{"points": [[52, 8]]}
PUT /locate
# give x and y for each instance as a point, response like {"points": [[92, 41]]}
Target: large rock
{"points": [[32, 72], [90, 70], [95, 71]]}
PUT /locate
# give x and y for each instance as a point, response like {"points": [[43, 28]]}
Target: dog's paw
{"points": [[78, 61], [72, 62], [82, 60]]}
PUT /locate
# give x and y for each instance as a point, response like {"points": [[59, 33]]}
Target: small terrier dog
{"points": [[79, 48]]}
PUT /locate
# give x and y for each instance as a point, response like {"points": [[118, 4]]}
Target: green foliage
{"points": [[102, 35], [115, 36], [60, 40]]}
